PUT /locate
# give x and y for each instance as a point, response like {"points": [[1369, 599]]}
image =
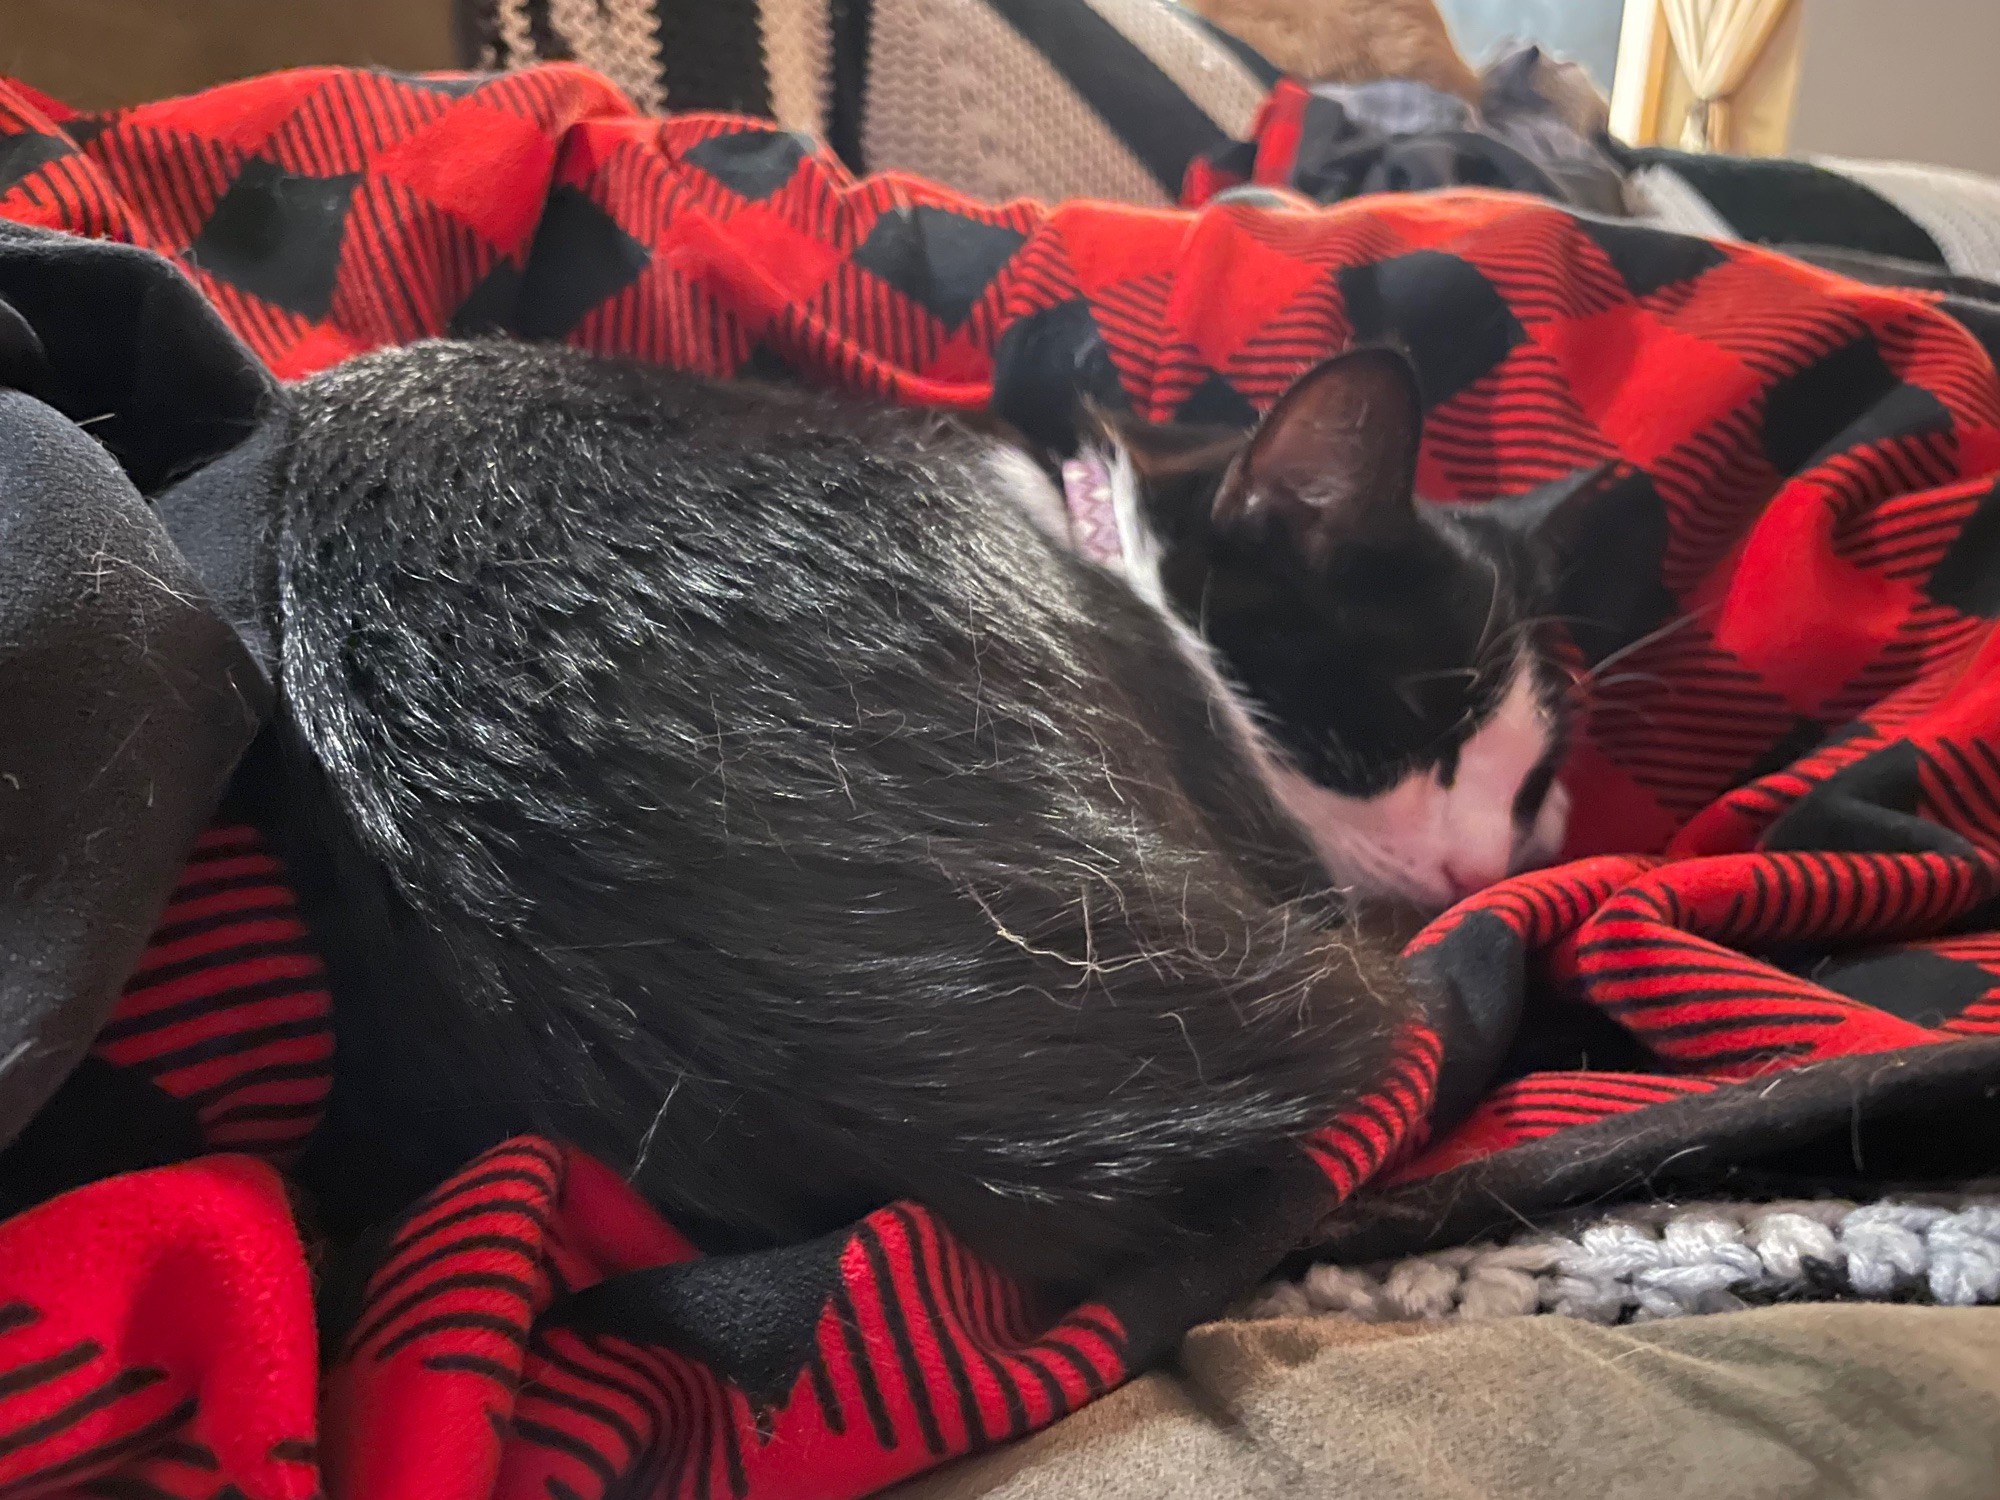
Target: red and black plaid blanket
{"points": [[1774, 954]]}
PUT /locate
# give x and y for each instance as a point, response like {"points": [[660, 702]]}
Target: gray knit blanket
{"points": [[1668, 1261]]}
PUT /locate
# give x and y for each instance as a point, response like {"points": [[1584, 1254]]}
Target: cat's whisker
{"points": [[1652, 637], [1645, 679], [1535, 622], [1492, 609], [1645, 717]]}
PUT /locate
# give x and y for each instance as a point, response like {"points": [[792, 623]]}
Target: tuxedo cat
{"points": [[1400, 659], [732, 781]]}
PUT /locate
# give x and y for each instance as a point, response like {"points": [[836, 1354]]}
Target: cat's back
{"points": [[605, 453], [615, 555]]}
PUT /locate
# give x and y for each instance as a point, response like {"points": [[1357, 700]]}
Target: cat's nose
{"points": [[1467, 877]]}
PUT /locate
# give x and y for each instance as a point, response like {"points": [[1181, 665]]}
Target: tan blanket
{"points": [[1807, 1401]]}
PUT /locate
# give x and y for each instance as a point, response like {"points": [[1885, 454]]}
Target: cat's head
{"points": [[1400, 656]]}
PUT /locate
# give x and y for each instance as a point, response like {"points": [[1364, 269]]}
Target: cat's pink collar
{"points": [[1093, 522]]}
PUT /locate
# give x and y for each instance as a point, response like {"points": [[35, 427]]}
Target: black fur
{"points": [[724, 779]]}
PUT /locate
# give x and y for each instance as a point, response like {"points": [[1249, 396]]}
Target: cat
{"points": [[1531, 86], [1349, 41], [750, 786], [1401, 660]]}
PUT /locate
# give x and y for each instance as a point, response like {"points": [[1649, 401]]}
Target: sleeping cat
{"points": [[754, 788], [734, 782], [1400, 658]]}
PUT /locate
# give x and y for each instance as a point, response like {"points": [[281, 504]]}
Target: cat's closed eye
{"points": [[1534, 793]]}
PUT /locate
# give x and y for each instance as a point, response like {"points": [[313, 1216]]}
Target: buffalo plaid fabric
{"points": [[1777, 924]]}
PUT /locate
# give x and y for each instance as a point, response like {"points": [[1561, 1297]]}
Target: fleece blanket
{"points": [[1896, 223], [1773, 948]]}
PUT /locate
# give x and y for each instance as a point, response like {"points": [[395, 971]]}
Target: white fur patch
{"points": [[1435, 844], [1023, 481], [1420, 841]]}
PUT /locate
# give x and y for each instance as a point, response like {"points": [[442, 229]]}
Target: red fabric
{"points": [[1266, 159], [227, 1011], [1821, 459], [159, 1327], [450, 1386], [441, 1395]]}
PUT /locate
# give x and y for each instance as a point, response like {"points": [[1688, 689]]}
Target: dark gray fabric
{"points": [[133, 350], [1398, 135], [127, 702], [126, 696]]}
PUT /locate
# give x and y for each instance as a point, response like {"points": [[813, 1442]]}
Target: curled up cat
{"points": [[742, 784]]}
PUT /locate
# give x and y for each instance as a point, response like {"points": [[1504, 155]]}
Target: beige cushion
{"points": [[1806, 1401]]}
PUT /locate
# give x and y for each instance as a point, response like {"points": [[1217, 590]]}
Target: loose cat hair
{"points": [[1400, 660], [736, 782]]}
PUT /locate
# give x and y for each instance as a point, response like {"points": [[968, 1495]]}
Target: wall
{"points": [[1585, 31], [94, 53], [1909, 80]]}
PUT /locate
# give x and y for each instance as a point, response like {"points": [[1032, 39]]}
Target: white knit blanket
{"points": [[1669, 1261]]}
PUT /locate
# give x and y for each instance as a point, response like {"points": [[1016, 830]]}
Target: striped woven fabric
{"points": [[1776, 931], [995, 99]]}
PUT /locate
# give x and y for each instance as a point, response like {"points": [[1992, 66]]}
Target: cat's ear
{"points": [[1555, 517], [1334, 463]]}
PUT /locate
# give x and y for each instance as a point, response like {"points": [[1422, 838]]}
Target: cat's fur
{"points": [[1401, 657], [1529, 84], [732, 781], [1349, 41]]}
